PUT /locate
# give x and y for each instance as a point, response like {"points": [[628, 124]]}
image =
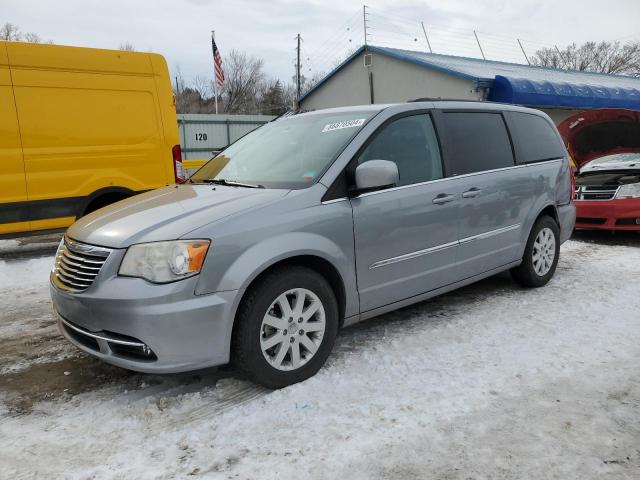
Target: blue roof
{"points": [[562, 94], [522, 84]]}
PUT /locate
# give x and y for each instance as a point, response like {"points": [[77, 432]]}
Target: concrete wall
{"points": [[398, 81], [393, 81], [350, 86]]}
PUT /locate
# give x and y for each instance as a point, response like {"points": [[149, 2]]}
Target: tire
{"points": [[103, 201], [254, 352], [531, 272]]}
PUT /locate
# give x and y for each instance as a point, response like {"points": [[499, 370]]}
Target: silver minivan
{"points": [[311, 223]]}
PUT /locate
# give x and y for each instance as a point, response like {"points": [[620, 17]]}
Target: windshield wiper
{"points": [[230, 183]]}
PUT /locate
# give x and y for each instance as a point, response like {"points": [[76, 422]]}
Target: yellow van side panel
{"points": [[6, 228], [61, 57], [166, 103], [12, 178], [88, 119], [88, 138], [52, 223], [82, 131]]}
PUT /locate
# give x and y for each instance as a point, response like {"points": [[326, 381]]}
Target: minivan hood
{"points": [[596, 133], [166, 213]]}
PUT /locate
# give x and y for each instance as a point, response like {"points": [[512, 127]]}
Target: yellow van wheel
{"points": [[101, 199]]}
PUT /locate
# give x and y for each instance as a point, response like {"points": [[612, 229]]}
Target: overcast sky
{"points": [[180, 29]]}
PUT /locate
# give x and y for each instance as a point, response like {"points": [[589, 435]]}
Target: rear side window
{"points": [[534, 139], [476, 141]]}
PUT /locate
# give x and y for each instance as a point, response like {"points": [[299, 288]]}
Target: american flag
{"points": [[217, 64]]}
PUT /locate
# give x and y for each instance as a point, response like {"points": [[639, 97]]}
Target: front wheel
{"points": [[541, 254], [286, 327]]}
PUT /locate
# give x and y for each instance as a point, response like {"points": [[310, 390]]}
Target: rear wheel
{"points": [[286, 327], [541, 254]]}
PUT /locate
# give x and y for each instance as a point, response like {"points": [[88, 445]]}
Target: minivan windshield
{"points": [[289, 153]]}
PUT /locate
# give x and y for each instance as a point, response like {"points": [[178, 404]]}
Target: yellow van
{"points": [[80, 128]]}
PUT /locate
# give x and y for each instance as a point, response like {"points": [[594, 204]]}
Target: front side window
{"points": [[412, 144], [289, 153], [476, 141]]}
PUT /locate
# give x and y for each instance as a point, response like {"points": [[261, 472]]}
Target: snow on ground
{"points": [[491, 381], [25, 306]]}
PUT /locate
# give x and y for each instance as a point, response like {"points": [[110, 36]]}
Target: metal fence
{"points": [[201, 136]]}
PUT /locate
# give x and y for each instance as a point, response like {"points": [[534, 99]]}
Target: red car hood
{"points": [[595, 133]]}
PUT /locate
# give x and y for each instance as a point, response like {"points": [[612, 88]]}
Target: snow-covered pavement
{"points": [[492, 381]]}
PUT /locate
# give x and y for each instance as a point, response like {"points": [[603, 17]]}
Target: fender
{"points": [[268, 252], [534, 213]]}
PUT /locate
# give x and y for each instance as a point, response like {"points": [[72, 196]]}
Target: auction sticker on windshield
{"points": [[330, 127]]}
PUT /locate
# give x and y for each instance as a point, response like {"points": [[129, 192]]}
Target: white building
{"points": [[388, 75]]}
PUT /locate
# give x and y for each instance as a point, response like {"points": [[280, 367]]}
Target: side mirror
{"points": [[375, 175]]}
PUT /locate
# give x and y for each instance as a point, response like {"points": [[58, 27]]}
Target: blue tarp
{"points": [[543, 93]]}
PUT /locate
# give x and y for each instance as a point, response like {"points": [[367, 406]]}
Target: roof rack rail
{"points": [[439, 99]]}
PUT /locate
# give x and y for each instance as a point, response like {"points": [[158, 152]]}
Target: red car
{"points": [[605, 146]]}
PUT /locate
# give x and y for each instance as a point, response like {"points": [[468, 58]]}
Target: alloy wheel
{"points": [[544, 251], [292, 329]]}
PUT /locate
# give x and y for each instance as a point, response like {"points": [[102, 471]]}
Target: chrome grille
{"points": [[77, 265], [596, 192]]}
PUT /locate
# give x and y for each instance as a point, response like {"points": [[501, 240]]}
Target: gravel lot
{"points": [[492, 381]]}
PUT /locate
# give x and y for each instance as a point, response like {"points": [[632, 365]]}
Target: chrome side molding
{"points": [[438, 248]]}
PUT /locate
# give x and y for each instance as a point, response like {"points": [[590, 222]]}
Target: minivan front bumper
{"points": [[150, 328]]}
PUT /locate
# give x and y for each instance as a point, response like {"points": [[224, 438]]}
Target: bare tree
{"points": [[272, 98], [10, 32], [309, 83], [602, 57], [246, 90], [187, 99], [202, 86], [289, 95], [32, 37], [243, 76], [127, 47]]}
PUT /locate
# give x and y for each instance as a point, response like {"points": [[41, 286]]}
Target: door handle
{"points": [[474, 192], [443, 198]]}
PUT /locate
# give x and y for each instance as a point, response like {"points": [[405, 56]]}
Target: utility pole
{"points": [[364, 22], [298, 86], [368, 65], [425, 37]]}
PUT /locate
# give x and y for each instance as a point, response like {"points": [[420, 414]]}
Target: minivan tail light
{"points": [[572, 174], [178, 171]]}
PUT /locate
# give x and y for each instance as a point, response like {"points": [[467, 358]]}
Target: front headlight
{"points": [[162, 262], [58, 251], [631, 190]]}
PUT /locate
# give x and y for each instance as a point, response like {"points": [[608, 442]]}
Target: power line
{"points": [[332, 44], [355, 16], [369, 27]]}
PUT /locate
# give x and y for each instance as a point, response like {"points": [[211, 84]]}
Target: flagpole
{"points": [[215, 80]]}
